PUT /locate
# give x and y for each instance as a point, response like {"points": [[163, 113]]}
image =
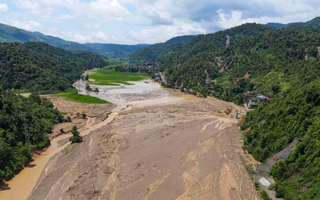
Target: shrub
{"points": [[76, 138]]}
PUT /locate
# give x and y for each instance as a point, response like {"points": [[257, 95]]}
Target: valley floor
{"points": [[169, 147]]}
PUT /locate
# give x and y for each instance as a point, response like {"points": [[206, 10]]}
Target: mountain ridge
{"points": [[13, 34], [315, 22]]}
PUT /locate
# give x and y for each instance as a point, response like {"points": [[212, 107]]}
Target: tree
{"points": [[84, 115], [313, 51], [69, 119], [88, 87], [87, 77], [76, 138]]}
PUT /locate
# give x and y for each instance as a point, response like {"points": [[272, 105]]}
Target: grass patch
{"points": [[21, 91], [111, 77], [114, 60], [73, 95], [115, 65]]}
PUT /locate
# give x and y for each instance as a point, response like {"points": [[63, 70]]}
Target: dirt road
{"points": [[160, 148]]}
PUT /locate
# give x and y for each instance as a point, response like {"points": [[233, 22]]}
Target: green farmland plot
{"points": [[111, 77], [73, 95]]}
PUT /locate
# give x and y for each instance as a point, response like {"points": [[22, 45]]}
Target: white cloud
{"points": [[28, 5], [91, 26], [149, 35], [27, 25], [147, 21], [64, 17], [4, 8], [229, 21]]}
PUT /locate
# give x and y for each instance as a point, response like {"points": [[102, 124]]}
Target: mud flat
{"points": [[157, 144], [161, 145]]}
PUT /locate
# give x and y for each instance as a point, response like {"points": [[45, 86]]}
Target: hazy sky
{"points": [[146, 21]]}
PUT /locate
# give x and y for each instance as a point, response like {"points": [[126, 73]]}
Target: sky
{"points": [[147, 21]]}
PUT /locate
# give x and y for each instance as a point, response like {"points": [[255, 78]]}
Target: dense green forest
{"points": [[40, 118], [202, 53], [180, 39], [155, 51], [149, 53], [270, 62], [315, 23], [312, 23], [293, 114], [35, 66]]}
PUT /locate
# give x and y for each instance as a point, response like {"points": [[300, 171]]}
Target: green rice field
{"points": [[73, 95], [111, 77]]}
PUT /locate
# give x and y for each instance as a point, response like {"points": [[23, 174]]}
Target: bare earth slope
{"points": [[160, 150]]}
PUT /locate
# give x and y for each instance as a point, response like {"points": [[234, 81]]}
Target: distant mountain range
{"points": [[13, 34], [153, 52], [276, 25], [312, 23]]}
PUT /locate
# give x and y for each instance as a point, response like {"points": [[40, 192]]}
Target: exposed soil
{"points": [[160, 144], [156, 148], [20, 186], [95, 113]]}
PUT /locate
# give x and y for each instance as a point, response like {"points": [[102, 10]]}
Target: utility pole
{"points": [[26, 130]]}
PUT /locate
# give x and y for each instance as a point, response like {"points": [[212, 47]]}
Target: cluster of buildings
{"points": [[145, 66], [254, 100]]}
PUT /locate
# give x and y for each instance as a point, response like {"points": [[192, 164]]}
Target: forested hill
{"points": [[152, 52], [149, 53], [184, 38], [276, 25], [13, 34], [40, 116], [185, 66], [312, 23], [35, 66]]}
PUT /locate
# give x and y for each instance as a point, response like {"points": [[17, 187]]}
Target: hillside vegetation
{"points": [[153, 52], [40, 118], [272, 62], [315, 23], [201, 54], [35, 66], [149, 53]]}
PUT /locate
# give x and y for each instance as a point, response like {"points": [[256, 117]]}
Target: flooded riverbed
{"points": [[156, 144], [22, 184]]}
